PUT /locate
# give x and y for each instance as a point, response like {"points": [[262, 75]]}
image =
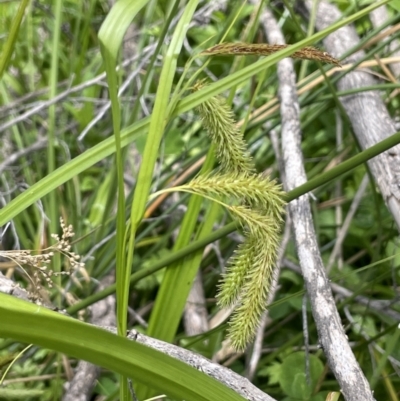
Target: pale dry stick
{"points": [[378, 38], [272, 106], [66, 93], [80, 388], [378, 17], [389, 76], [234, 381], [41, 143], [342, 362], [347, 221], [312, 348], [195, 317], [339, 186], [31, 379], [15, 105], [367, 112], [361, 253], [10, 225], [8, 286], [98, 246], [136, 316], [380, 307], [306, 335]]}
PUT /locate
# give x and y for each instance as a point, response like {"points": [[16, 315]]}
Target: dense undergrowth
{"points": [[68, 153]]}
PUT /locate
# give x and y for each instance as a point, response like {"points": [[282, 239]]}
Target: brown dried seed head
{"points": [[265, 49]]}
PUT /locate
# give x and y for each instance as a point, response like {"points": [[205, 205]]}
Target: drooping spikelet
{"points": [[219, 122], [257, 190], [258, 205], [256, 286]]}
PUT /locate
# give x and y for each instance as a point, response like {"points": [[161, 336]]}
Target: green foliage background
{"points": [[65, 53]]}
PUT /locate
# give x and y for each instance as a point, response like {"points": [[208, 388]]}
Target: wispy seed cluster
{"points": [[63, 246], [36, 265]]}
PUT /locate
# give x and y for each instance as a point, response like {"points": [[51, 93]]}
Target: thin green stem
{"points": [[344, 167]]}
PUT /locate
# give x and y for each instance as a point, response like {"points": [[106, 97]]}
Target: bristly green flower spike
{"points": [[258, 206], [220, 124]]}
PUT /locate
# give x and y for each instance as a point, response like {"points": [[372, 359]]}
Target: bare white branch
{"points": [[367, 112], [331, 334]]}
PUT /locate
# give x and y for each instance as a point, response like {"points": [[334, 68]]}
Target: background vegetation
{"points": [[68, 152]]}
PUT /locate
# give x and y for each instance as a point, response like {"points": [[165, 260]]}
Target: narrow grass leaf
{"points": [[8, 47]]}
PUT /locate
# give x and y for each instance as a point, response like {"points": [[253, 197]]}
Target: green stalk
{"points": [[110, 36], [156, 129], [8, 47], [344, 167], [53, 205], [53, 211]]}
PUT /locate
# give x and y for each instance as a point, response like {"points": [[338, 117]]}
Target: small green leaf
{"points": [[273, 372], [173, 142], [364, 324], [293, 379]]}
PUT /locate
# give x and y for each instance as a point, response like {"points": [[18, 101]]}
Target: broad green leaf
{"points": [[35, 324], [293, 379]]}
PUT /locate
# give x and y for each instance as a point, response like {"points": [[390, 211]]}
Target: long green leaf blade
{"points": [[31, 323]]}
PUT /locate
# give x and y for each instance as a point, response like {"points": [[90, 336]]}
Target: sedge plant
{"points": [[255, 202]]}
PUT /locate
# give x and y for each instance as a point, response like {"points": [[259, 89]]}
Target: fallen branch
{"points": [[332, 337]]}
